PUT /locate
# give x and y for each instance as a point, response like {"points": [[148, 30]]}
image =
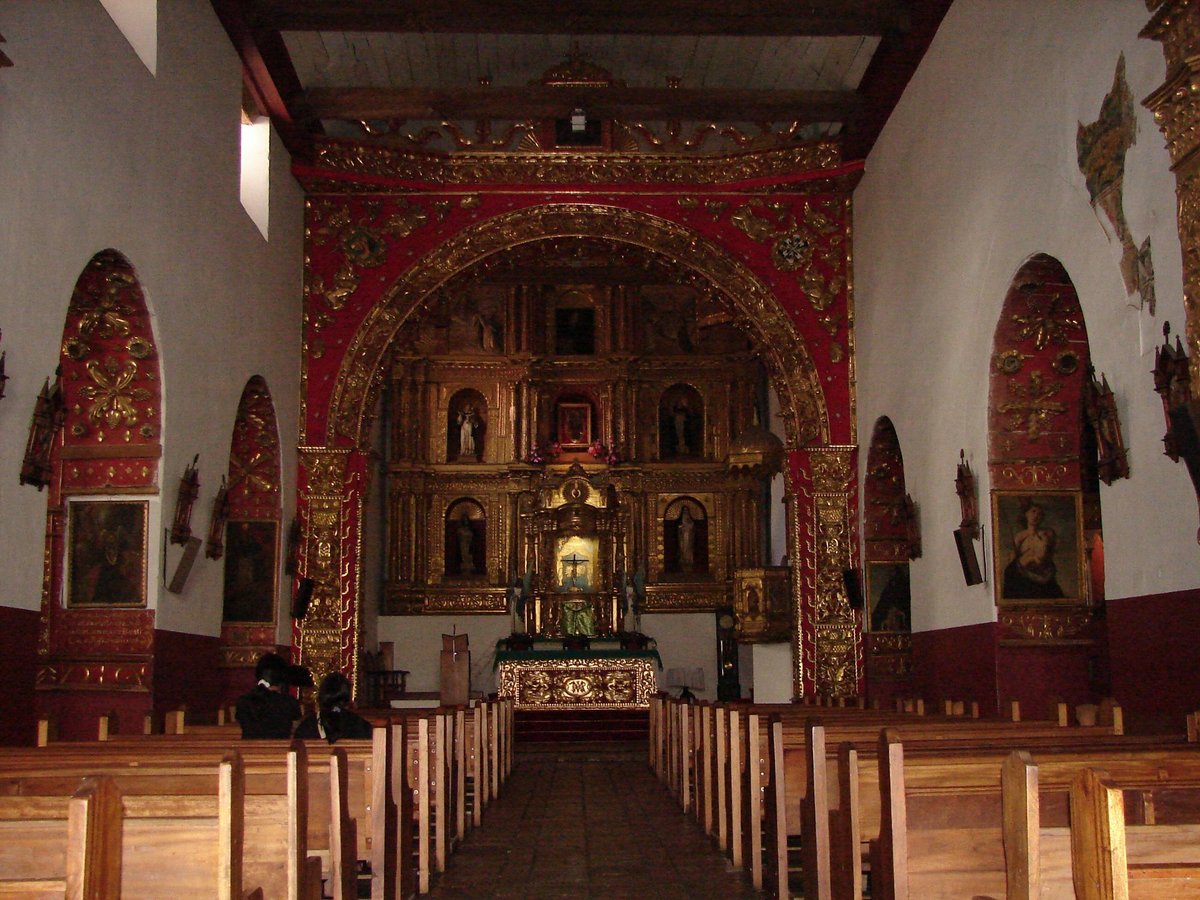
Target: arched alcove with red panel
{"points": [[890, 540], [97, 642], [252, 538], [1045, 497]]}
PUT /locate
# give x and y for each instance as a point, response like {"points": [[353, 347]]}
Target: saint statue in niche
{"points": [[466, 546], [679, 417], [467, 421], [687, 540]]}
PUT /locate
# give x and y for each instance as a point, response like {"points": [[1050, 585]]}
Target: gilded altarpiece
{"points": [[768, 232], [109, 447]]}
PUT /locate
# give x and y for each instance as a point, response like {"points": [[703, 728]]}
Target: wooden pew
{"points": [[1158, 825], [716, 805], [943, 828], [172, 844], [46, 854], [1113, 859], [275, 805]]}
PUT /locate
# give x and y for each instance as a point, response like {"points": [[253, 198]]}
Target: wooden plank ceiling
{"points": [[683, 75]]}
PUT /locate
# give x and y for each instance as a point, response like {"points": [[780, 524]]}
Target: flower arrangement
{"points": [[600, 452], [538, 455]]}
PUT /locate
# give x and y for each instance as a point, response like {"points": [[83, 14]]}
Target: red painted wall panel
{"points": [[18, 667], [186, 671], [1153, 652], [957, 664]]}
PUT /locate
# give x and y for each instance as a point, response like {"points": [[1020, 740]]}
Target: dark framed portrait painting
{"points": [[1037, 546], [106, 558], [889, 597], [251, 552], [574, 425]]}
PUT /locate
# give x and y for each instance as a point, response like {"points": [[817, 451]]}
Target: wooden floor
{"points": [[588, 822]]}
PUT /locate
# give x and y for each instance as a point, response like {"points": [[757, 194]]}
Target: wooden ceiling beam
{"points": [[543, 102], [815, 18]]}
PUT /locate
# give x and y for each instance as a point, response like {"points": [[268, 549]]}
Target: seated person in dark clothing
{"points": [[335, 719], [266, 711]]}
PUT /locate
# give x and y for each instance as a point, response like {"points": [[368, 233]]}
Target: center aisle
{"points": [[583, 824]]}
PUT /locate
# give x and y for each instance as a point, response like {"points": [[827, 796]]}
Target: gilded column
{"points": [[831, 622], [1176, 108], [328, 632]]}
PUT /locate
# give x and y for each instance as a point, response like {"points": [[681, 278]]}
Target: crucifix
{"points": [[572, 578]]}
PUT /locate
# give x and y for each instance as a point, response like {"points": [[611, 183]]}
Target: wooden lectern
{"points": [[456, 670]]}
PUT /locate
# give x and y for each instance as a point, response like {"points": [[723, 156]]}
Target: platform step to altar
{"points": [[581, 726]]}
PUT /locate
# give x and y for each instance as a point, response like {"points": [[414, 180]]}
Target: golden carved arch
{"points": [[759, 312]]}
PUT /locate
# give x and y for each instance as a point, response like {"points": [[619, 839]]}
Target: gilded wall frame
{"points": [[1037, 547], [106, 556]]}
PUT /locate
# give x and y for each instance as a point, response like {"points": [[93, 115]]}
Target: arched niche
{"points": [[681, 423], [890, 536], [103, 468], [1041, 455], [466, 426], [252, 531], [466, 540], [685, 539]]}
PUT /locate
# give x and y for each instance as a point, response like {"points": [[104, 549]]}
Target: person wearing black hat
{"points": [[335, 719], [265, 711]]}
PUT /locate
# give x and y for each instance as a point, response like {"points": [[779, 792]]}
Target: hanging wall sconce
{"points": [[215, 546], [3, 377], [49, 414], [1173, 383], [968, 529], [189, 489], [1100, 407]]}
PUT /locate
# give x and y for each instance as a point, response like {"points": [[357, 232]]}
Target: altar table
{"points": [[578, 679]]}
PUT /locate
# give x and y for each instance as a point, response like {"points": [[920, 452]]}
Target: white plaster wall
{"points": [[686, 640], [975, 172], [418, 645], [98, 153]]}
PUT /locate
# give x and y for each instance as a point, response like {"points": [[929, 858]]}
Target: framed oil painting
{"points": [[251, 551], [574, 426], [1037, 547], [888, 597], [106, 555]]}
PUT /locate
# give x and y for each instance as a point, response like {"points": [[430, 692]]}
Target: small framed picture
{"points": [[574, 425], [889, 596], [1037, 546], [251, 555], [106, 555]]}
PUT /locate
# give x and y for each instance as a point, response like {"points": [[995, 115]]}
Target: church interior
{"points": [[845, 354]]}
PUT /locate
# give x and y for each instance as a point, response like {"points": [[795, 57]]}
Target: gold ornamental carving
{"points": [[320, 631], [1046, 624], [786, 357], [836, 663], [762, 602], [577, 168], [577, 683], [1176, 108]]}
